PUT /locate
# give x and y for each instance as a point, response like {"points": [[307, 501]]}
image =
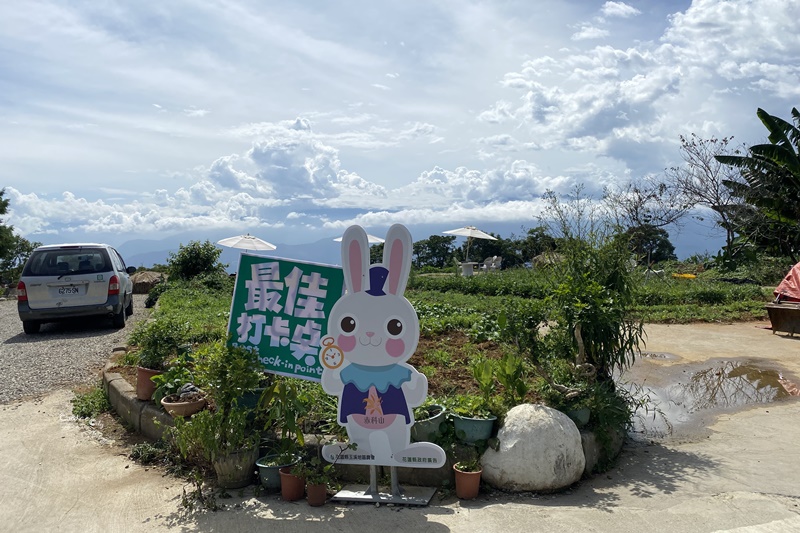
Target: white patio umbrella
{"points": [[372, 239], [470, 232], [247, 242]]}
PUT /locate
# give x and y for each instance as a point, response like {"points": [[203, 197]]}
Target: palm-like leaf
{"points": [[781, 132], [772, 183]]}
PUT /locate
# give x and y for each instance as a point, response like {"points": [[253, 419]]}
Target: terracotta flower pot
{"points": [[468, 484], [183, 408], [292, 487], [316, 494], [144, 385]]}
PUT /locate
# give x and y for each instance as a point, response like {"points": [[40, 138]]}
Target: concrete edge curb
{"points": [[143, 416]]}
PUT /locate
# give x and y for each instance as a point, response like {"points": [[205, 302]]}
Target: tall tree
{"points": [[376, 253], [701, 181], [648, 201], [14, 250], [481, 249], [651, 244], [11, 264], [537, 241], [771, 186], [6, 232], [434, 251]]}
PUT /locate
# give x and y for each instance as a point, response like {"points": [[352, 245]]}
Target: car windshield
{"points": [[60, 262]]}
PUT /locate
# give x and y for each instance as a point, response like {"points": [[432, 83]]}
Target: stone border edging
{"points": [[143, 416]]}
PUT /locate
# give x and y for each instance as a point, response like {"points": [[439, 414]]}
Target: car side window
{"points": [[40, 264], [119, 261]]}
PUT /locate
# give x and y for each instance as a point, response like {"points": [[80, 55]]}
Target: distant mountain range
{"points": [[147, 253]]}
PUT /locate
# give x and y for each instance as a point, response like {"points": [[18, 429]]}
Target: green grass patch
{"points": [[90, 403], [688, 313]]}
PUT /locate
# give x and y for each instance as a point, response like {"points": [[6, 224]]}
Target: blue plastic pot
{"points": [[269, 472], [470, 430], [428, 429]]}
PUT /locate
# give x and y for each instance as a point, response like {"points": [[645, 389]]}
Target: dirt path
{"points": [[749, 340]]}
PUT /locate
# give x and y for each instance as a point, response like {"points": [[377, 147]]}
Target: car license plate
{"points": [[68, 290]]}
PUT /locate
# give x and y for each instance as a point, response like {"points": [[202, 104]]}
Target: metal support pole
{"points": [[373, 481], [397, 490]]}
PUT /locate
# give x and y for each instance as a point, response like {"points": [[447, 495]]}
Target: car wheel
{"points": [[30, 326], [118, 320], [129, 308]]}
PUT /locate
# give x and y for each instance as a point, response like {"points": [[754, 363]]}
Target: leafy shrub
{"points": [[226, 372], [154, 294], [195, 259], [520, 322], [593, 300], [697, 291], [179, 372], [188, 313], [159, 340], [210, 434], [514, 282]]}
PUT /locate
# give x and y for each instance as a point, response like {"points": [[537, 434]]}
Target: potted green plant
{"points": [[225, 436], [223, 439], [186, 401], [176, 373], [468, 477], [428, 420], [151, 363], [317, 474], [467, 467], [293, 484], [277, 454], [472, 415], [279, 414], [158, 342], [226, 372]]}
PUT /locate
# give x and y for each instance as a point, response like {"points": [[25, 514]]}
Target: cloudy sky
{"points": [[292, 120]]}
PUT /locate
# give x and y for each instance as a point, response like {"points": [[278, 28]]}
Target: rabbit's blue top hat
{"points": [[377, 278]]}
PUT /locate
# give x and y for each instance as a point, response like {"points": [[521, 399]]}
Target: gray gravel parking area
{"points": [[61, 355]]}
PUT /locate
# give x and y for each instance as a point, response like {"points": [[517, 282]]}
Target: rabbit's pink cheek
{"points": [[395, 347], [346, 342]]}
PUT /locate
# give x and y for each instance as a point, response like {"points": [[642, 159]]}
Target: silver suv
{"points": [[63, 281]]}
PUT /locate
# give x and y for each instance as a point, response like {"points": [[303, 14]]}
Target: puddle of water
{"points": [[657, 355], [724, 386]]}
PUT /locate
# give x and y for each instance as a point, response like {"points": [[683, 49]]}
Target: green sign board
{"points": [[280, 308]]}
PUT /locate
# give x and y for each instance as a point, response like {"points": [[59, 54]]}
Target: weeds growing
{"points": [[90, 403]]}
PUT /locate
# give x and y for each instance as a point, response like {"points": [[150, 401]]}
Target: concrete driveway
{"points": [[736, 470]]}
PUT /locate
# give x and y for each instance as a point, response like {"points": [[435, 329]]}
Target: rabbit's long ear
{"points": [[397, 257], [355, 258]]}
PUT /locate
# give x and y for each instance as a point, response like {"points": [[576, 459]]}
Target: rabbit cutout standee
{"points": [[373, 331]]}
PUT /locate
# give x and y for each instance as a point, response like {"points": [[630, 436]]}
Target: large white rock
{"points": [[540, 450]]}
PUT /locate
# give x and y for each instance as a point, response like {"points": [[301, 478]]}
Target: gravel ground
{"points": [[62, 355]]}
